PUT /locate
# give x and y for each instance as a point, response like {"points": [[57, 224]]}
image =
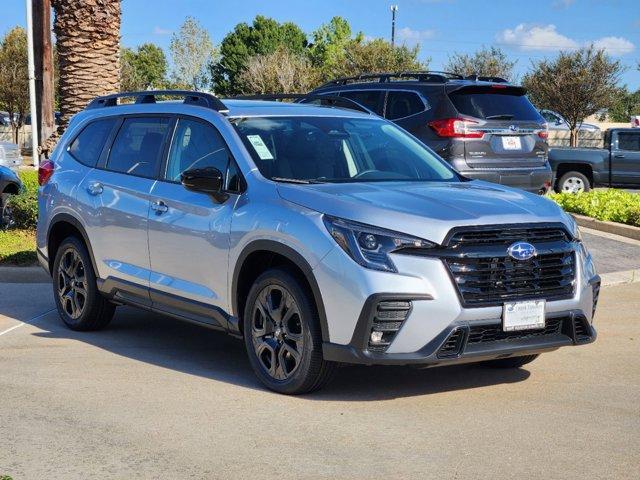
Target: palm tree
{"points": [[88, 45]]}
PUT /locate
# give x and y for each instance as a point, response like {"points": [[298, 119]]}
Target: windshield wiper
{"points": [[502, 116], [295, 180]]}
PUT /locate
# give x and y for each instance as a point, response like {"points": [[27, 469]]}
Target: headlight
{"points": [[573, 228], [370, 246]]}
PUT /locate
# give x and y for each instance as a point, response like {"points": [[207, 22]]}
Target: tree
{"points": [[278, 72], [625, 105], [142, 68], [88, 46], [329, 47], [262, 37], [576, 84], [378, 56], [14, 78], [488, 62], [191, 52]]}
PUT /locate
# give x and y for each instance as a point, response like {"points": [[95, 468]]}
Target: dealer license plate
{"points": [[511, 143], [523, 315]]}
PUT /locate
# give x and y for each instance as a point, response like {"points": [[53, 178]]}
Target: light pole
{"points": [[394, 9], [32, 86]]}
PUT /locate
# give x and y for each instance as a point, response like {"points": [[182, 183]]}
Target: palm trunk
{"points": [[88, 47]]}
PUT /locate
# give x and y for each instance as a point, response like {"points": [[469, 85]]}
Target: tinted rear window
{"points": [[402, 104], [496, 104], [371, 99], [87, 147]]}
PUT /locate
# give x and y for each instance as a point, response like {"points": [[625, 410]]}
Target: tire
{"points": [[6, 215], [511, 362], [281, 322], [80, 305], [573, 182]]}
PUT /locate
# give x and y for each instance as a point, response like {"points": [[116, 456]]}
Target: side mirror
{"points": [[207, 180]]}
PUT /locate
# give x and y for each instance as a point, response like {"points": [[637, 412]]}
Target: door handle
{"points": [[95, 188], [159, 207], [618, 155]]}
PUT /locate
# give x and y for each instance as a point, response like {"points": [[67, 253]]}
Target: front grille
{"points": [[387, 320], [493, 280], [508, 234], [494, 333]]}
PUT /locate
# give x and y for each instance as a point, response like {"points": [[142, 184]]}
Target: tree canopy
{"points": [[142, 68], [14, 78], [192, 51], [262, 37], [488, 62], [574, 84]]}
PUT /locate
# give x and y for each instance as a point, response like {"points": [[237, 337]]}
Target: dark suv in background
{"points": [[485, 127]]}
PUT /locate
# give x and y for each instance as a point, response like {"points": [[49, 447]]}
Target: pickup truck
{"points": [[616, 165]]}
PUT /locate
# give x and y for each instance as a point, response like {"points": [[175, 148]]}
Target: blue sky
{"points": [[527, 31]]}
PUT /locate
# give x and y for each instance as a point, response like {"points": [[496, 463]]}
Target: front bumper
{"points": [[466, 343]]}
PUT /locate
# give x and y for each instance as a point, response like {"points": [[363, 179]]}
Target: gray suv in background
{"points": [[483, 126], [319, 235]]}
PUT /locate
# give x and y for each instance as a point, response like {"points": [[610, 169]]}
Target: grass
{"points": [[17, 247]]}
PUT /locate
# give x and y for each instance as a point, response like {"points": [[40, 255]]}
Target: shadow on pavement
{"points": [[194, 350]]}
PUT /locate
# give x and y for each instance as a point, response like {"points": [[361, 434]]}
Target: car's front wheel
{"points": [[282, 335], [80, 305]]}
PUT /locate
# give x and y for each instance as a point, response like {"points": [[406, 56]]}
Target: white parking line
{"points": [[22, 324]]}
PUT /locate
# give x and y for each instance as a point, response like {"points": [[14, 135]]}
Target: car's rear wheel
{"points": [[573, 182], [282, 335], [79, 304], [511, 362]]}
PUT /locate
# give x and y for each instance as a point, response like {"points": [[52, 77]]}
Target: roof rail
{"points": [[192, 98], [419, 75], [324, 100], [480, 78]]}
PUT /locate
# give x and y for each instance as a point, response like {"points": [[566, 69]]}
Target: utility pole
{"points": [[32, 85], [43, 52], [394, 9]]}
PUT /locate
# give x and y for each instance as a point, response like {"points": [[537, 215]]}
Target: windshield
{"points": [[334, 149]]}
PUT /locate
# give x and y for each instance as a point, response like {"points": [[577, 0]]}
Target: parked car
{"points": [[616, 165], [10, 184], [486, 128], [319, 235], [558, 122], [10, 155]]}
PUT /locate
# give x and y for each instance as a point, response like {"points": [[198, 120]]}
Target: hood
{"points": [[426, 210]]}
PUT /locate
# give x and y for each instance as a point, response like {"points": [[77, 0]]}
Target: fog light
{"points": [[376, 337]]}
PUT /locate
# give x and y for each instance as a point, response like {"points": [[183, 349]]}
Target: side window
{"points": [[370, 99], [403, 104], [629, 141], [138, 146], [195, 145], [87, 147]]}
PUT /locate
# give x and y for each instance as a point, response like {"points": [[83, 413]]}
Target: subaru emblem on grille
{"points": [[513, 128], [522, 251]]}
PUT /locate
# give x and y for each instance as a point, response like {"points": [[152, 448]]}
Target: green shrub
{"points": [[25, 204], [609, 205]]}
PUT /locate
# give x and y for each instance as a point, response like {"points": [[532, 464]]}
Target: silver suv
{"points": [[319, 235]]}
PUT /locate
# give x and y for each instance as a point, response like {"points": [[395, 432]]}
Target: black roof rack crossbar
{"points": [[324, 100], [420, 75], [192, 98]]}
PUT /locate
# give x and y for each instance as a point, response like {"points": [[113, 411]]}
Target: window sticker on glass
{"points": [[260, 148]]}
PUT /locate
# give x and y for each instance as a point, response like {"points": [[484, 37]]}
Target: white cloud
{"points": [[536, 37], [546, 38], [414, 37], [161, 31], [615, 45]]}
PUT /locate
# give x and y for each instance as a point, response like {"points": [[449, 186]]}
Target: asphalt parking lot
{"points": [[154, 398]]}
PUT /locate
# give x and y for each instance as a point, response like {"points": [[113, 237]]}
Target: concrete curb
{"points": [[23, 275], [621, 229], [619, 278]]}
